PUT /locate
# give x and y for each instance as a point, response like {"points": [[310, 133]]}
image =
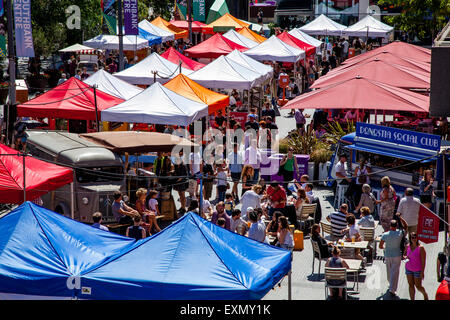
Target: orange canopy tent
{"points": [[227, 20], [166, 25], [190, 89], [246, 32]]}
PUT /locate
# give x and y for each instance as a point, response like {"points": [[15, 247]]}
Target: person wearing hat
{"points": [[257, 231], [252, 122], [341, 172]]}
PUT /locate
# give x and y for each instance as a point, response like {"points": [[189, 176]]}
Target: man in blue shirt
{"points": [[391, 243], [97, 218], [257, 230], [235, 166]]}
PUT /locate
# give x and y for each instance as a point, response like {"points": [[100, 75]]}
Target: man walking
{"points": [[409, 208], [391, 243]]}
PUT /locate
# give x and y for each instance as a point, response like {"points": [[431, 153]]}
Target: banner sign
{"points": [[131, 17], [22, 23], [403, 137], [428, 226], [109, 14], [181, 9], [199, 10], [2, 9], [2, 46]]}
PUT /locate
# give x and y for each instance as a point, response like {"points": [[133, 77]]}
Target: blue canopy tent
{"points": [[152, 39], [45, 254]]}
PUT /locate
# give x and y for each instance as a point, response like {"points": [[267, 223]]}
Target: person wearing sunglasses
{"points": [[415, 266]]}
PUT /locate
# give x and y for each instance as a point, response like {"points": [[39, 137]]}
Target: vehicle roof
{"points": [[69, 147]]}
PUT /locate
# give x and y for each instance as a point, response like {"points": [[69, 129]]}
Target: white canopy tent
{"points": [[368, 27], [322, 25], [273, 49], [108, 83], [141, 73], [111, 42], [265, 70], [240, 39], [151, 28], [297, 33], [224, 73], [76, 47], [157, 105]]}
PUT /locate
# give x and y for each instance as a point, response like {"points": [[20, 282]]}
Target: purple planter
{"points": [[270, 164]]}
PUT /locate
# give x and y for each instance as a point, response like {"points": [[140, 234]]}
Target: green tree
{"points": [[161, 8], [424, 18]]}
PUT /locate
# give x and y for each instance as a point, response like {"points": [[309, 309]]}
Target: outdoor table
{"points": [[354, 266], [355, 245]]}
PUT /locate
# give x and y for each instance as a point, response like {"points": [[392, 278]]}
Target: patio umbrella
{"points": [[361, 93], [136, 141]]}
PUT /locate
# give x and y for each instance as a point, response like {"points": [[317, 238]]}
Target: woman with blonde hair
{"points": [[247, 178], [387, 201]]}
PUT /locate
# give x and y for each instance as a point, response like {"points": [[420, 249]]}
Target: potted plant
{"points": [[320, 156], [4, 91]]}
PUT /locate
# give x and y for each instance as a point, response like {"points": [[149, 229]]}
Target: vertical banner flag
{"points": [[130, 11], [109, 14], [199, 10], [2, 36], [181, 9], [22, 23], [2, 9], [428, 225]]}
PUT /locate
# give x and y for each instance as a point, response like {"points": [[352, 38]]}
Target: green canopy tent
{"points": [[218, 9]]}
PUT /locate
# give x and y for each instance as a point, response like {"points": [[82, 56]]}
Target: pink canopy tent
{"points": [[297, 43], [176, 57], [183, 24], [379, 70], [361, 93]]}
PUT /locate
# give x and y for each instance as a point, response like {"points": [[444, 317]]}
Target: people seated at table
{"points": [[257, 230], [273, 226], [366, 220], [220, 213], [324, 247], [367, 200], [336, 262], [237, 224], [276, 196], [121, 211], [301, 199], [338, 221], [352, 234], [284, 235]]}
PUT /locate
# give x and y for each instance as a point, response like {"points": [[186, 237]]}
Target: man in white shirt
{"points": [[341, 173], [409, 210], [251, 199], [309, 193], [237, 224], [253, 158]]}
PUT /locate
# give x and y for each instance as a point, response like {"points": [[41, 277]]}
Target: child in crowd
{"points": [[229, 203], [153, 202]]}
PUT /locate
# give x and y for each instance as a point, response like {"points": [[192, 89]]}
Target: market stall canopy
{"points": [[190, 89], [166, 25], [224, 73], [381, 71], [217, 10], [76, 48], [296, 43], [111, 42], [324, 26], [368, 26], [225, 21], [361, 93], [213, 47], [40, 177], [73, 99], [398, 48], [157, 105], [265, 70], [112, 85], [136, 142], [273, 49], [246, 32], [240, 39], [204, 262], [387, 57], [297, 33], [141, 73], [183, 24], [150, 28], [151, 38], [176, 57]]}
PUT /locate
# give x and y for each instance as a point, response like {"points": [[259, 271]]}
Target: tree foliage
{"points": [[424, 18]]}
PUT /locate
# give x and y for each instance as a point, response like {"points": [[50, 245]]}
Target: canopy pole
{"points": [[384, 116], [376, 116], [200, 200], [444, 175], [24, 176], [290, 285], [96, 110], [120, 21], [72, 199]]}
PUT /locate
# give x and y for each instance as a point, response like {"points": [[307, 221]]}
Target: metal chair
{"points": [[316, 255], [335, 274], [326, 228], [339, 197], [368, 234], [304, 218]]}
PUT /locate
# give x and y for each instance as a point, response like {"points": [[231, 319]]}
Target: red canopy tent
{"points": [[213, 47], [401, 49], [40, 177], [379, 70], [196, 25], [297, 43], [174, 56], [361, 93], [73, 99]]}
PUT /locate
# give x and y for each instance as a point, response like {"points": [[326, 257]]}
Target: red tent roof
{"points": [[213, 47], [297, 43], [72, 99], [40, 177], [196, 25], [174, 56], [361, 93], [379, 70], [401, 49]]}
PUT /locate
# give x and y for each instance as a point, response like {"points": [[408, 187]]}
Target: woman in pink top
{"points": [[415, 266]]}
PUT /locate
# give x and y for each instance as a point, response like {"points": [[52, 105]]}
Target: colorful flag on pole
{"points": [[131, 17], [2, 9], [3, 53], [428, 225], [23, 29], [109, 14], [181, 9], [199, 10]]}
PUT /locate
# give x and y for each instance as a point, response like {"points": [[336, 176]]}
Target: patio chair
{"points": [[336, 274], [368, 234], [326, 228], [316, 255], [304, 218]]}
